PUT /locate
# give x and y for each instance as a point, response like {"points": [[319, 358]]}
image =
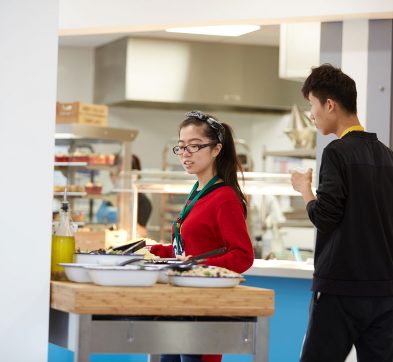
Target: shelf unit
{"points": [[180, 183], [294, 154], [70, 164], [74, 134], [84, 165], [70, 194]]}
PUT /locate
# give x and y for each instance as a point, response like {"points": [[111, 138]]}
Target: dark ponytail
{"points": [[227, 162]]}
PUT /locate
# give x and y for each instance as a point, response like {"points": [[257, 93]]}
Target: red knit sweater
{"points": [[216, 220]]}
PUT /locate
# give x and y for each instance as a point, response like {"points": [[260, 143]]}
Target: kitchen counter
{"points": [[87, 318], [161, 299], [281, 269]]}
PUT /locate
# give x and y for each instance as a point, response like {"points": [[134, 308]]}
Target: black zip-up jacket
{"points": [[353, 214]]}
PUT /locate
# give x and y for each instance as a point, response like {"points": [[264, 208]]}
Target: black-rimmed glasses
{"points": [[192, 148]]}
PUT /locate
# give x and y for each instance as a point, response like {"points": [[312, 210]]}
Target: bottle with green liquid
{"points": [[63, 242]]}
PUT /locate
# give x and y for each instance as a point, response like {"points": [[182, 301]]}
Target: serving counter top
{"points": [[161, 299], [87, 318], [281, 269]]}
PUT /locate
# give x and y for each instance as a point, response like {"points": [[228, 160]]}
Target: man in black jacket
{"points": [[352, 211]]}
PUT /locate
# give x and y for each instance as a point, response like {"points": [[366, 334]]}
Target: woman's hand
{"points": [[183, 258]]}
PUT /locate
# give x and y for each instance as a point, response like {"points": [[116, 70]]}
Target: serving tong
{"points": [[131, 247], [185, 265], [124, 249]]}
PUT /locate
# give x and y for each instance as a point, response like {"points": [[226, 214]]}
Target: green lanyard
{"points": [[186, 210]]}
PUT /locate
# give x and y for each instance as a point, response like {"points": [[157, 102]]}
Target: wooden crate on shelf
{"points": [[78, 112]]}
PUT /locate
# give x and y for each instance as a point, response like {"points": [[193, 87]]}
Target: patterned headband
{"points": [[218, 128]]}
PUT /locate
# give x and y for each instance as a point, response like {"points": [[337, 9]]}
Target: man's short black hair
{"points": [[326, 81]]}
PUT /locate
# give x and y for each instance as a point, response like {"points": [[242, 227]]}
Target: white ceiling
{"points": [[268, 35]]}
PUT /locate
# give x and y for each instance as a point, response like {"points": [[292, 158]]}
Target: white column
{"points": [[28, 66], [331, 52], [355, 60], [380, 71]]}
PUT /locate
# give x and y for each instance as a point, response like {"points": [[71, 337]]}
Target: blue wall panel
{"points": [[289, 322], [118, 358], [59, 354]]}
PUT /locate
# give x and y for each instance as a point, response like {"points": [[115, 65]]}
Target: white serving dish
{"points": [[163, 276], [104, 259], [76, 272], [203, 282], [129, 275]]}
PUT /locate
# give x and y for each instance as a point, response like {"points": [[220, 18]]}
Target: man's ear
{"points": [[331, 104]]}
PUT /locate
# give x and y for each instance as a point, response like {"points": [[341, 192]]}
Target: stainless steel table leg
{"points": [[83, 335], [154, 358], [79, 333], [262, 340]]}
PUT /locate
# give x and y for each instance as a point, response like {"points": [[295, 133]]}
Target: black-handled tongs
{"points": [[131, 247], [189, 263]]}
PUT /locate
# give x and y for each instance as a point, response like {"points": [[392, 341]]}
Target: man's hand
{"points": [[301, 182]]}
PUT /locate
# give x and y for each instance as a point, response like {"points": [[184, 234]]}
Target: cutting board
{"points": [[161, 299]]}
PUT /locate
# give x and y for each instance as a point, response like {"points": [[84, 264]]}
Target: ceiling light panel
{"points": [[221, 30]]}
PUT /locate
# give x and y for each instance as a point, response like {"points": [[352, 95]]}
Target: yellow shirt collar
{"points": [[352, 128]]}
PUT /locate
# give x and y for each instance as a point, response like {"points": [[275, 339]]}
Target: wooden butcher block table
{"points": [[87, 318]]}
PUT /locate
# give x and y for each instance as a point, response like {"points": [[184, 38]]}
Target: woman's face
{"points": [[202, 161]]}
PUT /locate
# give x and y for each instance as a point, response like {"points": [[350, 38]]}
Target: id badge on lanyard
{"points": [[178, 243]]}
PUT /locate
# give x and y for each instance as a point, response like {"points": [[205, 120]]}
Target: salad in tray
{"points": [[206, 271]]}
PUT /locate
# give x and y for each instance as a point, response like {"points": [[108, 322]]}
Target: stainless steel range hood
{"points": [[180, 74]]}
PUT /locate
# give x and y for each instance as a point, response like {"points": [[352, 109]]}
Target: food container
{"points": [[162, 266], [62, 158], [104, 259], [162, 276], [76, 272], [79, 157], [97, 159], [203, 282], [129, 275], [110, 159], [93, 189], [204, 276]]}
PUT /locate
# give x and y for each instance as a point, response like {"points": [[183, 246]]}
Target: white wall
{"points": [[75, 76], [28, 37], [157, 128]]}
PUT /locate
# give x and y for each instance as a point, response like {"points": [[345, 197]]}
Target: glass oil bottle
{"points": [[63, 242]]}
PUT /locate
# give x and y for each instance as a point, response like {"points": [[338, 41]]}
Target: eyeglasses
{"points": [[217, 126], [192, 148]]}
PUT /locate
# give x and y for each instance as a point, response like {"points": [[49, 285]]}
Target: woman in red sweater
{"points": [[214, 213]]}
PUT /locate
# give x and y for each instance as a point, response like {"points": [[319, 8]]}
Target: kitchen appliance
{"points": [[165, 73]]}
